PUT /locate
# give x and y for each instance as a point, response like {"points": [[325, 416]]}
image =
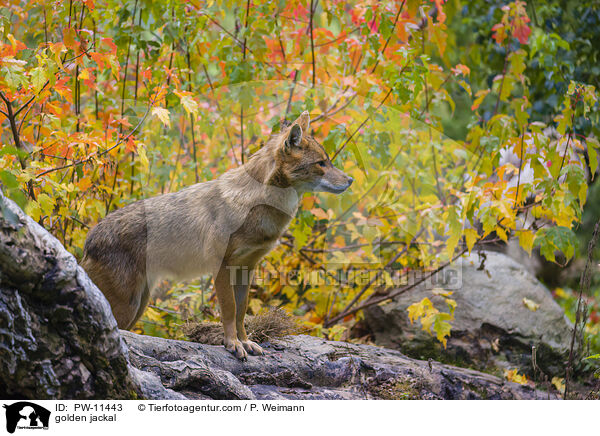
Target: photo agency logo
{"points": [[25, 415]]}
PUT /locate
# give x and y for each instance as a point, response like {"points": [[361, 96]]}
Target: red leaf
{"points": [[521, 29]]}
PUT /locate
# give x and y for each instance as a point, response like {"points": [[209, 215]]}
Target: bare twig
{"points": [[371, 281], [387, 41], [520, 168], [312, 41], [11, 116], [339, 150], [212, 90], [584, 286], [426, 109], [371, 301]]}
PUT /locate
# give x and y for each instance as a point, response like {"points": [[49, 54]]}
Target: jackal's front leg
{"points": [[225, 295], [241, 303]]}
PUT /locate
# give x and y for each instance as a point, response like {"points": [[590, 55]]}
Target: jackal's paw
{"points": [[253, 348], [236, 347]]}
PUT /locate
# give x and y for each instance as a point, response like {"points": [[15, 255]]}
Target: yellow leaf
{"points": [[441, 292], [442, 327], [530, 304], [471, 236], [513, 375], [255, 305], [69, 38], [189, 104], [46, 203], [418, 310], [559, 383], [84, 74], [501, 233], [143, 157], [163, 115], [153, 314], [560, 292], [13, 42], [480, 96], [526, 240]]}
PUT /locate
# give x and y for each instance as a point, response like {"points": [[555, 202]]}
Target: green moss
{"points": [[396, 390]]}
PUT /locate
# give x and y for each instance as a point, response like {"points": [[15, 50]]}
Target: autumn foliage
{"points": [[105, 102]]}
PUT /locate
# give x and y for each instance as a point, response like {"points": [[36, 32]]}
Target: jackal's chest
{"points": [[260, 233]]}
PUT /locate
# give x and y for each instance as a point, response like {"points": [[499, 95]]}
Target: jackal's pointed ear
{"points": [[294, 138], [303, 121]]}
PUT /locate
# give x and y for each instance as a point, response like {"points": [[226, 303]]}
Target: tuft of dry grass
{"points": [[272, 323], [204, 332]]}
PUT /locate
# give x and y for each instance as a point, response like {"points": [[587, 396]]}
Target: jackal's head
{"points": [[303, 162]]}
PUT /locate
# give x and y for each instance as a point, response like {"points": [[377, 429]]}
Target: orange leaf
{"points": [[130, 146], [111, 44], [319, 213], [98, 58], [84, 184]]}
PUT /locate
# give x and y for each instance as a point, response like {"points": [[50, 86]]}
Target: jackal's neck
{"points": [[263, 168]]}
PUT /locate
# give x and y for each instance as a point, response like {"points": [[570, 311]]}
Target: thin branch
{"points": [[331, 111], [562, 162], [212, 90], [371, 301], [65, 62], [339, 150], [189, 65], [241, 43], [426, 109], [108, 150], [13, 127], [387, 41], [584, 285], [506, 47], [373, 279], [520, 168], [343, 36], [428, 100], [312, 41]]}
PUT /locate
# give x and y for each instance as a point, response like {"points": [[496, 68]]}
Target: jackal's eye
{"points": [[322, 163]]}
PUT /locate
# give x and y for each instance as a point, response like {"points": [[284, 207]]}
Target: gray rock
{"points": [[493, 329], [306, 367], [58, 338]]}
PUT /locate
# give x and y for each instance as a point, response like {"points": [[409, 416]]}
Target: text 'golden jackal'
{"points": [[220, 227]]}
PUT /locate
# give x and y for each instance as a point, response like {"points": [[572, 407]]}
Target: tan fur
{"points": [[222, 227]]}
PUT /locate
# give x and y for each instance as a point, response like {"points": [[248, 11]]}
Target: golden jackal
{"points": [[221, 227]]}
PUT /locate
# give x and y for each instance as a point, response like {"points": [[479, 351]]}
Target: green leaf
{"points": [[46, 203], [8, 179], [593, 356], [38, 78], [593, 146]]}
